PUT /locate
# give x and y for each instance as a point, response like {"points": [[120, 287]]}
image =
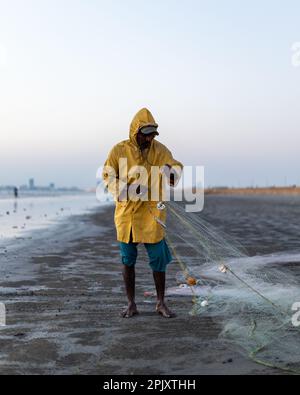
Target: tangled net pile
{"points": [[251, 297]]}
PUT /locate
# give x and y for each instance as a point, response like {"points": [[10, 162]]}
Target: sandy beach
{"points": [[63, 292], [258, 191]]}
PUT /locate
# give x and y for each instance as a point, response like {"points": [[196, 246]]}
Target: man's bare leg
{"points": [[129, 280], [160, 284]]}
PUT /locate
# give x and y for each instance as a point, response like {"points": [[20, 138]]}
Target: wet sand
{"points": [[63, 291]]}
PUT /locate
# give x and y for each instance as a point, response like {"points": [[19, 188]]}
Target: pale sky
{"points": [[217, 76]]}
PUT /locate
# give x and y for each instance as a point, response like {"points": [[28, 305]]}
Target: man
{"points": [[137, 219], [16, 192]]}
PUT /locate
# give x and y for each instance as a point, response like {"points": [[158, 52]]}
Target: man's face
{"points": [[144, 140]]}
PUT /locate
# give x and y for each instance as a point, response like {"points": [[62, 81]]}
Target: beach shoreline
{"points": [[19, 217], [250, 191], [63, 295]]}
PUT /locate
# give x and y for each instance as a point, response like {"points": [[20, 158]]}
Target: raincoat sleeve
{"points": [[175, 166], [110, 174]]}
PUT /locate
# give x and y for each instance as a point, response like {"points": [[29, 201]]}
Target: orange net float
{"points": [[148, 294], [191, 281]]}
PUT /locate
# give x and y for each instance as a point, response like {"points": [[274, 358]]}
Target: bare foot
{"points": [[130, 311], [163, 310]]}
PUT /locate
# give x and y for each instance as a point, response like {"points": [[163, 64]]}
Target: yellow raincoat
{"points": [[138, 218]]}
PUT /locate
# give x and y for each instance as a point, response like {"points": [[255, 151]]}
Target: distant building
{"points": [[31, 184], [33, 189]]}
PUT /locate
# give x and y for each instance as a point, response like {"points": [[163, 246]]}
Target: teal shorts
{"points": [[158, 253]]}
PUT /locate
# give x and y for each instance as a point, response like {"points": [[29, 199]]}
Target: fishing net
{"points": [[252, 297]]}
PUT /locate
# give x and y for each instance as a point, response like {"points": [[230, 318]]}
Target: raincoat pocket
{"points": [[160, 216]]}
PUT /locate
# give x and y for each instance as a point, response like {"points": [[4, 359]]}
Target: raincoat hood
{"points": [[141, 119]]}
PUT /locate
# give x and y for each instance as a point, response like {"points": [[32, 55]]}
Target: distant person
{"points": [[139, 221], [16, 192]]}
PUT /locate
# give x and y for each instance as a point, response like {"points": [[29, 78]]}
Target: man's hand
{"points": [[171, 176]]}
